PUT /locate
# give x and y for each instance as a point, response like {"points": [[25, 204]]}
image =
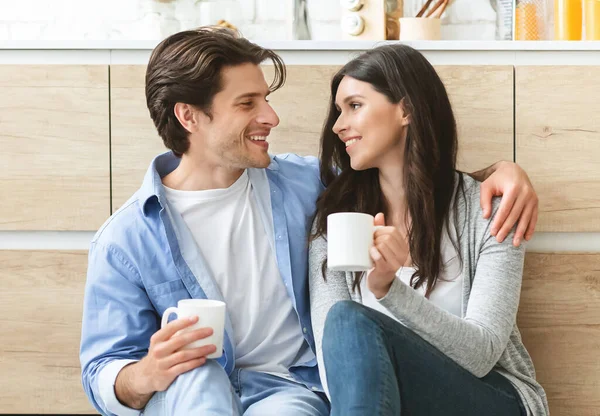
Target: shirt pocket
{"points": [[167, 294]]}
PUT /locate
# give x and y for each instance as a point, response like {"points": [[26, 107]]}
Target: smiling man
{"points": [[215, 218]]}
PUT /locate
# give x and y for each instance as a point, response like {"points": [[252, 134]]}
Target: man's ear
{"points": [[188, 116]]}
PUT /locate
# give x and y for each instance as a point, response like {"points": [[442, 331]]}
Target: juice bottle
{"points": [[568, 16], [592, 20]]}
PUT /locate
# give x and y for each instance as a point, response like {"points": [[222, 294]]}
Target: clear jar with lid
{"points": [[530, 20]]}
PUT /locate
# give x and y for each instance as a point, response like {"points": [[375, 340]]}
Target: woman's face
{"points": [[373, 128]]}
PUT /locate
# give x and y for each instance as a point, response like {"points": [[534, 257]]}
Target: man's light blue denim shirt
{"points": [[140, 263]]}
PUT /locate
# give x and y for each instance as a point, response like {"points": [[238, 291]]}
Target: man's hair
{"points": [[186, 68]]}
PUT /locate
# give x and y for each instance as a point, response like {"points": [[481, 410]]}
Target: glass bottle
{"points": [[592, 20], [568, 17]]}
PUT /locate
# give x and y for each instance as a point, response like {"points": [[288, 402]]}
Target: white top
{"points": [[228, 230], [447, 293]]}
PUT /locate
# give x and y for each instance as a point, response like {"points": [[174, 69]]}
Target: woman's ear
{"points": [[403, 115]]}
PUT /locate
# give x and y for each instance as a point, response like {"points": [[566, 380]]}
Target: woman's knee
{"points": [[348, 314], [340, 315], [347, 323]]}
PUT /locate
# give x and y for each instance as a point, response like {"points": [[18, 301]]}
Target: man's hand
{"points": [[519, 201], [389, 252], [136, 383]]}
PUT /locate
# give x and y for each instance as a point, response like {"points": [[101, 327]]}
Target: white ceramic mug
{"points": [[349, 239], [210, 313]]}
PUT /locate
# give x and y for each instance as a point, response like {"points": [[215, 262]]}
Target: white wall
{"points": [[155, 19]]}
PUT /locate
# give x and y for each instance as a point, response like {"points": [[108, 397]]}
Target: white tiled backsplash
{"points": [[155, 19]]}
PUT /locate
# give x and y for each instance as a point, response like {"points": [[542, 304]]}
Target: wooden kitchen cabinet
{"points": [[54, 136], [558, 143]]}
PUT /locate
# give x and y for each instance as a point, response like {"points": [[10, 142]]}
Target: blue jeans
{"points": [[208, 391], [377, 366]]}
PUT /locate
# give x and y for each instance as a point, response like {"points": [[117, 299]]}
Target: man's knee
{"points": [[205, 389], [292, 403], [210, 373]]}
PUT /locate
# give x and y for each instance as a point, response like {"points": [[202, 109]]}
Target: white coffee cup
{"points": [[210, 313], [349, 239]]}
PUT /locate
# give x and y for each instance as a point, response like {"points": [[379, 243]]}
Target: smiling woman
{"points": [[430, 328]]}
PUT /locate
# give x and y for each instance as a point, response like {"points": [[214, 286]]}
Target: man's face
{"points": [[242, 120]]}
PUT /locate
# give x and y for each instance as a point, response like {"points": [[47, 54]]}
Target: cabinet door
{"points": [[558, 143], [54, 135], [482, 100], [134, 140], [41, 304], [559, 319]]}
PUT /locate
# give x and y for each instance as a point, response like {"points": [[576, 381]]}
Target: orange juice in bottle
{"points": [[592, 20], [568, 16], [527, 20]]}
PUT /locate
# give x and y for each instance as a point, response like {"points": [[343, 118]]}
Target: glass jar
{"points": [[530, 20]]}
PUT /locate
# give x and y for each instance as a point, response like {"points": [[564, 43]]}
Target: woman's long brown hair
{"points": [[401, 74]]}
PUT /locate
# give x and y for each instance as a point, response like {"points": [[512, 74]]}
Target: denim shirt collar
{"points": [[152, 190]]}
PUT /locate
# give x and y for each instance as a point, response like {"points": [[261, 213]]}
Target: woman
{"points": [[431, 328]]}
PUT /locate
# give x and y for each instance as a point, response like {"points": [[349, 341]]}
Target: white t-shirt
{"points": [[447, 293], [228, 230]]}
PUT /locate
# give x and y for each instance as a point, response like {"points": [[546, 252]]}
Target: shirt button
{"points": [[305, 330], [279, 237], [314, 388]]}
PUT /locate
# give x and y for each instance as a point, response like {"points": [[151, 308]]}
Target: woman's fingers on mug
{"points": [[392, 255], [375, 255], [380, 263], [384, 230], [394, 241]]}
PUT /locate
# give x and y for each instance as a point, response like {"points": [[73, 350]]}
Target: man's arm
{"points": [[119, 323], [137, 382], [519, 200]]}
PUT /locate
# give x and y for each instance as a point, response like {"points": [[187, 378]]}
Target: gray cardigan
{"points": [[486, 336]]}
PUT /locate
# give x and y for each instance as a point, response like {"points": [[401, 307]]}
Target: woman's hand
{"points": [[389, 252]]}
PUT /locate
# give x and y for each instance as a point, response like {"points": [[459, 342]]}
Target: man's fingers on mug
{"points": [[201, 333], [188, 337], [191, 354], [172, 327]]}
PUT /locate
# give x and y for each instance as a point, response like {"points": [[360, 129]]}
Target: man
{"points": [[216, 218]]}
